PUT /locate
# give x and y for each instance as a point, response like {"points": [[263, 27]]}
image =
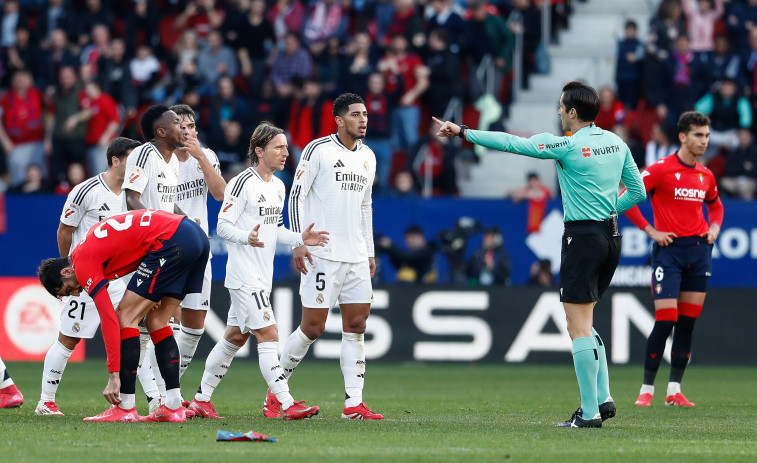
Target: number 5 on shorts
{"points": [[320, 283]]}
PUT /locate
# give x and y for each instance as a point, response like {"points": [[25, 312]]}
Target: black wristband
{"points": [[461, 133]]}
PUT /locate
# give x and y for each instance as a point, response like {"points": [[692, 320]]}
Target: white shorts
{"points": [[328, 282], [200, 301], [250, 309], [79, 317]]}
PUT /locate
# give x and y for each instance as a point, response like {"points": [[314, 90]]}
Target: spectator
{"points": [[75, 174], [444, 73], [526, 19], [407, 22], [445, 17], [232, 149], [64, 137], [58, 55], [664, 28], [740, 21], [103, 120], [84, 22], [323, 21], [403, 68], [701, 22], [728, 111], [310, 116], [433, 162], [292, 61], [328, 65], [628, 70], [537, 195], [33, 183], [490, 264], [202, 16], [404, 185], [114, 77], [22, 128], [92, 53], [25, 55], [361, 60], [268, 107], [740, 176], [145, 73], [541, 274], [187, 51], [10, 21], [213, 62], [721, 63], [142, 25], [749, 66], [380, 105], [255, 39], [489, 47], [686, 86], [414, 263], [54, 16], [660, 145], [225, 106], [634, 144], [287, 17], [611, 110]]}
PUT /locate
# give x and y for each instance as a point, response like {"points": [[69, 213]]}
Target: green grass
{"points": [[435, 413]]}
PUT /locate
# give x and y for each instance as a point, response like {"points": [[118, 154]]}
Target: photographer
{"points": [[414, 264], [452, 243], [490, 264]]}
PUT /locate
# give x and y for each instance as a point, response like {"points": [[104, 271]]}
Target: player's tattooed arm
{"points": [[65, 236]]}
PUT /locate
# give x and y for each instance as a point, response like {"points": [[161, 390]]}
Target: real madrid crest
{"points": [[76, 328], [266, 316], [365, 165], [319, 299], [199, 168]]}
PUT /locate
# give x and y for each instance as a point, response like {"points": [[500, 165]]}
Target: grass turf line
{"points": [[434, 413]]}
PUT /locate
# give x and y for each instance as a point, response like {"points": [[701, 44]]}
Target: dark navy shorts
{"points": [[590, 254], [683, 265], [176, 269]]}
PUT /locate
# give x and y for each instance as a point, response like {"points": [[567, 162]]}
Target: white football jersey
{"points": [[150, 175], [333, 189], [248, 201], [192, 190], [88, 203]]}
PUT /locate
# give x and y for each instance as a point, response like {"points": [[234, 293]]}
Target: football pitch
{"points": [[434, 413]]}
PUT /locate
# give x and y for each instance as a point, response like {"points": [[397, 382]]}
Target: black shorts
{"points": [[683, 265], [590, 254], [177, 268]]}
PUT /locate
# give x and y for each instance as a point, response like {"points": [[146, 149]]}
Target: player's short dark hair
{"points": [[691, 119], [149, 118], [583, 98], [263, 134], [182, 110], [49, 273], [343, 102], [119, 147]]}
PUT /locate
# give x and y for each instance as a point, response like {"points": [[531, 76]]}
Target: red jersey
{"points": [[407, 65], [111, 249], [104, 111], [22, 116], [677, 191]]}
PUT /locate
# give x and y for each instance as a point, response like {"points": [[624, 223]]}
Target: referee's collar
{"points": [[584, 127]]}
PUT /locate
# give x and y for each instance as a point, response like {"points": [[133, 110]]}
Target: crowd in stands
{"points": [[76, 73], [699, 55]]}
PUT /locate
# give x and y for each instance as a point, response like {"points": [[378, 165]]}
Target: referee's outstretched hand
{"points": [[447, 129]]}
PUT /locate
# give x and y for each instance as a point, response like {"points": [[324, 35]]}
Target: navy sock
{"points": [[129, 363], [681, 350], [655, 349]]}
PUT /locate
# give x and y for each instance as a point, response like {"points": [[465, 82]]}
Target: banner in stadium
{"points": [[33, 220], [30, 321], [503, 325]]}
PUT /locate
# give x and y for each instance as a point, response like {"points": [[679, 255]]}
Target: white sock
{"points": [[55, 363], [144, 371], [187, 340], [216, 366], [674, 388], [5, 379], [128, 401], [268, 358], [646, 389], [352, 360], [173, 398], [152, 362], [295, 348]]}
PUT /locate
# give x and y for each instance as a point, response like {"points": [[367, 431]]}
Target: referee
{"points": [[590, 164]]}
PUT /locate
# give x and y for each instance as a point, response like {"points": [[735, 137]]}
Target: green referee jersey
{"points": [[590, 165]]}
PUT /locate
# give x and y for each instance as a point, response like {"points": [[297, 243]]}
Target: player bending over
{"points": [[169, 254]]}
